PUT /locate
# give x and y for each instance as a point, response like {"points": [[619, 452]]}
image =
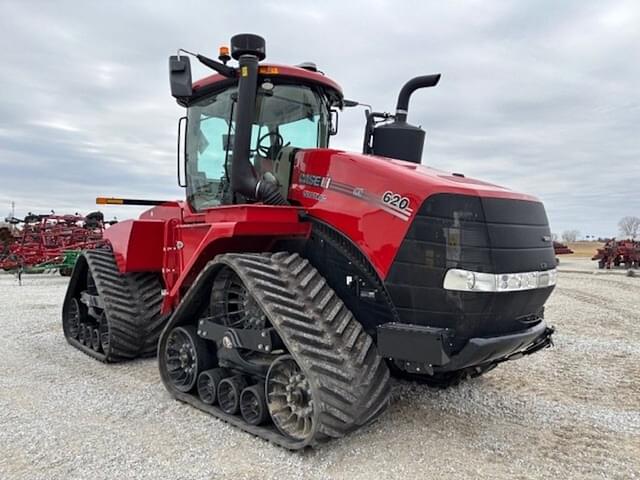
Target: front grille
{"points": [[473, 233]]}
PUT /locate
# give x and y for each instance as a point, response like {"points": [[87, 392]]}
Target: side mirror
{"points": [[182, 151], [333, 126], [180, 76]]}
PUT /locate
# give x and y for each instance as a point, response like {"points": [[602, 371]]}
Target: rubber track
{"points": [[131, 304], [147, 290], [350, 381]]}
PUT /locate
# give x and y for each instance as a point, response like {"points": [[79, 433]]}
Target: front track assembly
{"points": [[262, 342], [110, 316]]}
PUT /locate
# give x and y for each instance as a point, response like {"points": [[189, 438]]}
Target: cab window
{"points": [[293, 116]]}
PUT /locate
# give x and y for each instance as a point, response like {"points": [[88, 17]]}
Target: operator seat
{"points": [[280, 166]]}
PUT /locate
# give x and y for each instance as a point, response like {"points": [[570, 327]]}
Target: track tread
{"points": [[121, 311], [338, 356], [132, 305], [147, 289]]}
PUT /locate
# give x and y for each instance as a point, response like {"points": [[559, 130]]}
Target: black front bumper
{"points": [[426, 349]]}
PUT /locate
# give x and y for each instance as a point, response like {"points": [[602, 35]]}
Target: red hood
{"points": [[455, 183], [360, 194], [410, 177]]}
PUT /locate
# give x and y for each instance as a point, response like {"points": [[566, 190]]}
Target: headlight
{"points": [[467, 281]]}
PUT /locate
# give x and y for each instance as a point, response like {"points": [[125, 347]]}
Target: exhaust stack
{"points": [[400, 139]]}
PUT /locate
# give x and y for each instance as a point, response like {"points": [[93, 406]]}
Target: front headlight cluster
{"points": [[468, 281]]}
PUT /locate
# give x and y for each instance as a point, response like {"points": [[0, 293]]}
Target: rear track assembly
{"points": [[120, 314]]}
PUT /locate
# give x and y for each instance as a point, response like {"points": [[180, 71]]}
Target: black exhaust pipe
{"points": [[399, 139], [248, 49], [425, 81]]}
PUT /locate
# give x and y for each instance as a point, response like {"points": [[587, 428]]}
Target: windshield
{"points": [[295, 116]]}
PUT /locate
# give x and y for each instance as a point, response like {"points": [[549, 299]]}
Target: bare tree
{"points": [[570, 235], [629, 226]]}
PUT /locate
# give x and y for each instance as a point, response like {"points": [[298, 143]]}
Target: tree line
{"points": [[629, 228]]}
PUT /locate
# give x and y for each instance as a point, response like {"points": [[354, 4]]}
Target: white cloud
{"points": [[56, 125]]}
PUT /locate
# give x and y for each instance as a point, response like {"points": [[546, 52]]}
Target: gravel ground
{"points": [[573, 411]]}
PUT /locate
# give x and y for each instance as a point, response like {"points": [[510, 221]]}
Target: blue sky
{"points": [[538, 96]]}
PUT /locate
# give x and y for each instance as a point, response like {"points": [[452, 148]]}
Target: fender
{"points": [[190, 245], [137, 245], [179, 246]]}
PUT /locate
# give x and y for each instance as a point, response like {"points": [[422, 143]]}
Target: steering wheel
{"points": [[276, 145]]}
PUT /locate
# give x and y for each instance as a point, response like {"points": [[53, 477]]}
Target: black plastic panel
{"points": [[473, 233], [349, 273], [413, 343]]}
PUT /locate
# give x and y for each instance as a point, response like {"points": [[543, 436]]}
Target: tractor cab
{"points": [[288, 116], [244, 125]]}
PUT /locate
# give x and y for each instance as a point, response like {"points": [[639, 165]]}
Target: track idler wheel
{"points": [[253, 405], [289, 399], [75, 315], [229, 391], [185, 355], [208, 382]]}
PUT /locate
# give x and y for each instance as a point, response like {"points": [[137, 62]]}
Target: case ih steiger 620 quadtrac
{"points": [[295, 278]]}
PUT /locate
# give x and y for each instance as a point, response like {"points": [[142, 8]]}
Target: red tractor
{"points": [[295, 278]]}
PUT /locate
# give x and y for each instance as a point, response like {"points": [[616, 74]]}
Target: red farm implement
{"points": [[618, 252], [561, 249], [50, 242]]}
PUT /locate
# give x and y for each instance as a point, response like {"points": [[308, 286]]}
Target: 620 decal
{"points": [[397, 203], [395, 200]]}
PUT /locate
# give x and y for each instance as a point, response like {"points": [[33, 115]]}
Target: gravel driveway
{"points": [[569, 412]]}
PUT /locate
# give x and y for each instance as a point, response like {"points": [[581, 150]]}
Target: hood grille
{"points": [[492, 235]]}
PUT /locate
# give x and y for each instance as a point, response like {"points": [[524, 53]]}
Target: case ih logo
{"points": [[314, 180]]}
